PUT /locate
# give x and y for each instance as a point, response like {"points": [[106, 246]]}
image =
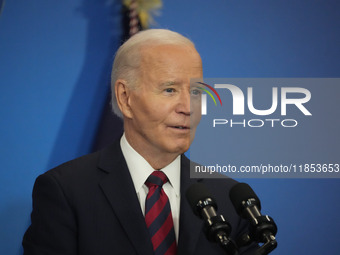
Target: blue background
{"points": [[55, 59]]}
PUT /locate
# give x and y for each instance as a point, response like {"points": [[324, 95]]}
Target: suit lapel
{"points": [[190, 225], [118, 187]]}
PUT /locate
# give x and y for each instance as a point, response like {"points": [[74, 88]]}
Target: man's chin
{"points": [[181, 149]]}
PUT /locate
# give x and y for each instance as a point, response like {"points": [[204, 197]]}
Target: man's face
{"points": [[165, 108]]}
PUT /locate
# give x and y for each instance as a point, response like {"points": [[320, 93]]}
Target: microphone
{"points": [[262, 227], [216, 228]]}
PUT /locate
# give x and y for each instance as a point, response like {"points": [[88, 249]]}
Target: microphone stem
{"points": [[252, 212], [208, 212], [226, 244]]}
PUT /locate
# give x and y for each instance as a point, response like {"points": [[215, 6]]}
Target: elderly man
{"points": [[128, 198]]}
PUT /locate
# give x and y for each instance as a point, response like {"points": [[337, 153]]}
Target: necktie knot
{"points": [[157, 178]]}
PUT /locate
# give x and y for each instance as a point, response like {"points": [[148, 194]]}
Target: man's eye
{"points": [[169, 90], [196, 92]]}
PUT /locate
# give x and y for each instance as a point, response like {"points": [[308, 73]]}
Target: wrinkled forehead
{"points": [[171, 60], [161, 52]]}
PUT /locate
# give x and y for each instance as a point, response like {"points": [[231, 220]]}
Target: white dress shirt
{"points": [[140, 170]]}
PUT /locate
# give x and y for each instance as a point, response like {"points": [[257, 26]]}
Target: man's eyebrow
{"points": [[168, 83], [197, 85]]}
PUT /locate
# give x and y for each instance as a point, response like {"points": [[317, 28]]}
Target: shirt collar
{"points": [[140, 169]]}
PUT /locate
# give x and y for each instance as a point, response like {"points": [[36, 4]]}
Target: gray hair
{"points": [[127, 60]]}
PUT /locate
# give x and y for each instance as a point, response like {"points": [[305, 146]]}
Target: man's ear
{"points": [[123, 97]]}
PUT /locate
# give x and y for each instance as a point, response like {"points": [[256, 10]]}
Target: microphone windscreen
{"points": [[195, 193], [242, 192]]}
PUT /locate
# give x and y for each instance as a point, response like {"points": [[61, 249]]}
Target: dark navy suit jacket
{"points": [[89, 206]]}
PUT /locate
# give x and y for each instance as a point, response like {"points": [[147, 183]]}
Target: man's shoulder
{"points": [[86, 167], [81, 163]]}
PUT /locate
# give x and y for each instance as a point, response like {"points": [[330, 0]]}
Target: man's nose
{"points": [[183, 105]]}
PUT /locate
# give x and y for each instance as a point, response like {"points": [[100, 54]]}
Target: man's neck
{"points": [[156, 159]]}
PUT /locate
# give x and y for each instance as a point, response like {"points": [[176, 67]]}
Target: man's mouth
{"points": [[181, 127]]}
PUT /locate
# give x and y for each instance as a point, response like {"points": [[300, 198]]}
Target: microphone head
{"points": [[198, 197], [240, 194]]}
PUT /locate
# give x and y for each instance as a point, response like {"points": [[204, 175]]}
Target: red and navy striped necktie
{"points": [[158, 216]]}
